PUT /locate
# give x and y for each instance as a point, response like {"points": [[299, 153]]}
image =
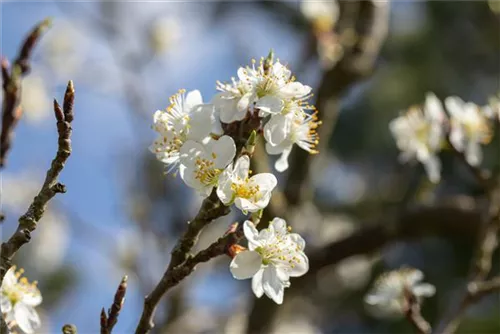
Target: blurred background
{"points": [[361, 212]]}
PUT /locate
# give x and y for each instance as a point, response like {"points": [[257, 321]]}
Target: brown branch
{"points": [[11, 109], [181, 263], [481, 264], [109, 320], [362, 28], [415, 317], [173, 276], [51, 186]]}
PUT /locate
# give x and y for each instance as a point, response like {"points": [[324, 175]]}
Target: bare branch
{"points": [[108, 321], [51, 186], [11, 110]]}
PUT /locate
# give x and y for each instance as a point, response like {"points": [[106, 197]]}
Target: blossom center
{"points": [[206, 172], [245, 189]]}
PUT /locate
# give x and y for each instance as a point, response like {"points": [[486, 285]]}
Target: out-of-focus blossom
{"points": [[419, 134], [393, 291], [164, 33], [282, 131], [273, 256], [322, 14], [186, 118], [35, 99], [470, 128], [18, 299], [202, 164], [249, 194], [64, 49], [51, 243], [492, 110]]}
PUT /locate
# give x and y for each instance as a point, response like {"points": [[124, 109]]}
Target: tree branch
{"points": [[11, 110], [108, 321], [51, 186]]}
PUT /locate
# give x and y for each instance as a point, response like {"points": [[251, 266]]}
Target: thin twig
{"points": [[11, 110], [51, 186], [415, 317], [109, 320], [481, 265]]}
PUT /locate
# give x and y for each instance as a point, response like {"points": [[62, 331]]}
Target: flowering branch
{"points": [[51, 186], [109, 320], [11, 110]]}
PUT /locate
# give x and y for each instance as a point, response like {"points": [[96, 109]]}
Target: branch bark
{"points": [[11, 110], [28, 222]]}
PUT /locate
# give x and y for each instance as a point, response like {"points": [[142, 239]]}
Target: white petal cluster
{"points": [[470, 128], [186, 118], [422, 133], [249, 194], [492, 110], [419, 134], [18, 299], [392, 291], [273, 256], [270, 91]]}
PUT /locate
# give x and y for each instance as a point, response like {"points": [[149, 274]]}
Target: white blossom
{"points": [[266, 89], [391, 292], [273, 256], [470, 128], [18, 299], [187, 118], [419, 134], [282, 131], [202, 164], [323, 14], [249, 194], [492, 110]]}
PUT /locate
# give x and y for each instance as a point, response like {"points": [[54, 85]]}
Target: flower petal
{"points": [[281, 164], [301, 265], [424, 290], [193, 98], [245, 264], [201, 121], [277, 129], [294, 90], [273, 287], [257, 288], [251, 234], [242, 167], [26, 317], [279, 225], [224, 150], [269, 104], [299, 241], [5, 304]]}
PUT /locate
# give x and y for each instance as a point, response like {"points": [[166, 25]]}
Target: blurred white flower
{"points": [[470, 128], [35, 99], [186, 118], [64, 49], [18, 299], [282, 131], [51, 243], [20, 189], [492, 110], [392, 291], [249, 194], [322, 14], [273, 256], [419, 134], [164, 33], [202, 164]]}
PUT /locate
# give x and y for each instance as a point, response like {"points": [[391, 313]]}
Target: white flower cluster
{"points": [[422, 133], [273, 256], [205, 160], [393, 291], [18, 299], [265, 99]]}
